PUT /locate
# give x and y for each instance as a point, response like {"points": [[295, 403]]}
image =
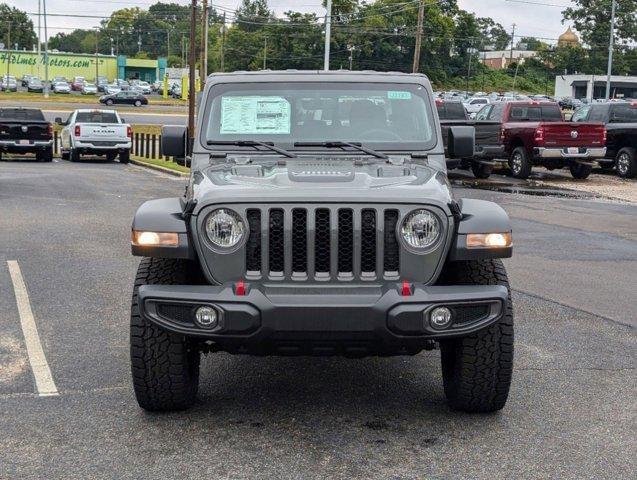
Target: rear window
{"points": [[624, 114], [531, 113], [451, 111], [21, 114], [96, 117]]}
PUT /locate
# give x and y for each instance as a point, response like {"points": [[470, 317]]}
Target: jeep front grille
{"points": [[322, 243]]}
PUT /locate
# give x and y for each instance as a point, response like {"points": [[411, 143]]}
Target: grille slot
{"points": [[391, 252], [276, 253], [322, 243], [253, 246], [299, 240], [368, 241]]}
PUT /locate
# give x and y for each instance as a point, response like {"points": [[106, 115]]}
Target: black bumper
{"points": [[352, 320]]}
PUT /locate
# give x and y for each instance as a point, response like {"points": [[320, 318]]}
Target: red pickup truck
{"points": [[535, 133]]}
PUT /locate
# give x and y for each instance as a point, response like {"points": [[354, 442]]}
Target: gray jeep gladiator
{"points": [[318, 220]]}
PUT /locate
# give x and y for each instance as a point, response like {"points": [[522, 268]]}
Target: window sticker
{"points": [[398, 95], [255, 115]]}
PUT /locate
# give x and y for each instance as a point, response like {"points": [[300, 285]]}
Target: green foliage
{"points": [[20, 25]]}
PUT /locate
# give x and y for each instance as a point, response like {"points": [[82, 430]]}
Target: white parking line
{"points": [[41, 371]]}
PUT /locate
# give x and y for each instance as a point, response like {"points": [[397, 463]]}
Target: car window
{"points": [[495, 114], [96, 117], [483, 114], [624, 114], [21, 114], [386, 115], [597, 114], [525, 113], [451, 111], [581, 114], [551, 113], [479, 101]]}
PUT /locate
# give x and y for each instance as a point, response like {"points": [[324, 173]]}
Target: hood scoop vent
{"points": [[321, 171]]}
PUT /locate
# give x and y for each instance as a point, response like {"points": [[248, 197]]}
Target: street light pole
{"points": [[46, 53], [610, 49], [191, 79], [203, 64], [328, 35], [39, 34]]}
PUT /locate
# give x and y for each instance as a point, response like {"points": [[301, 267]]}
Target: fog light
{"points": [[206, 317], [440, 317]]}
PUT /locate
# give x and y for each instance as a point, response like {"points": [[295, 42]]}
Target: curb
{"points": [[158, 168]]}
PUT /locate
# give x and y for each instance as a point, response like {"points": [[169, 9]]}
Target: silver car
{"points": [[89, 89], [61, 87]]}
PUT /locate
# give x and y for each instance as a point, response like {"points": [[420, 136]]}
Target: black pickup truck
{"points": [[620, 119], [24, 130]]}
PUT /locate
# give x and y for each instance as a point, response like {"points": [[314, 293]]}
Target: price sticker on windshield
{"points": [[398, 95]]}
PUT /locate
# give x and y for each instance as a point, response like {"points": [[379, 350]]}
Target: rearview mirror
{"points": [[461, 142], [173, 140]]}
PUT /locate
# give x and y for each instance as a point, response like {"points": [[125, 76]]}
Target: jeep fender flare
{"points": [[479, 216], [163, 215]]}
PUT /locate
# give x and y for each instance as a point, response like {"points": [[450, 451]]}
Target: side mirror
{"points": [[58, 120], [173, 140], [461, 142], [123, 121]]}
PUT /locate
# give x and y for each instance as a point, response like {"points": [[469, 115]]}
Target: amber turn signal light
{"points": [[489, 240], [154, 239]]}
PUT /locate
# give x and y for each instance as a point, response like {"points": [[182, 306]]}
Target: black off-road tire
{"points": [[164, 365], [520, 164], [110, 157], [124, 157], [481, 170], [626, 162], [74, 155], [580, 171], [477, 369]]}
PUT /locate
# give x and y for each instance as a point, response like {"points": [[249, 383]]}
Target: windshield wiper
{"points": [[341, 144], [252, 143]]}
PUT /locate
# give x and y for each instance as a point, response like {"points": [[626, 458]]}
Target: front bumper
{"points": [[353, 320], [583, 153]]}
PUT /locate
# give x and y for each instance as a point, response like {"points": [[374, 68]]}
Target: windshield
{"points": [[382, 115]]}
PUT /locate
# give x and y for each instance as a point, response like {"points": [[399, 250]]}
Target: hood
{"points": [[321, 179]]}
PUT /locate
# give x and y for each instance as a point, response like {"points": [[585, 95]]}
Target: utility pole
{"points": [[610, 50], [421, 21], [8, 52], [39, 35], [191, 78], [265, 52], [203, 64], [351, 49], [97, 68], [512, 42], [46, 53], [167, 43], [223, 40], [139, 42], [328, 35]]}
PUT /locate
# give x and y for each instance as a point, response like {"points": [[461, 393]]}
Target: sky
{"points": [[531, 18]]}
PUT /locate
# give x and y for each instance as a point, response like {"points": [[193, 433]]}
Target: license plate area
{"points": [[573, 150], [24, 142]]}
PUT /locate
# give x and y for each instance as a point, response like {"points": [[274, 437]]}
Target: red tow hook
{"points": [[407, 289], [240, 288]]}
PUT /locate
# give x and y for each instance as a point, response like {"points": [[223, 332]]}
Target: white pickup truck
{"points": [[95, 132]]}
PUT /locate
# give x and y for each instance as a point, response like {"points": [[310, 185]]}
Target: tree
{"points": [[21, 26], [531, 44]]}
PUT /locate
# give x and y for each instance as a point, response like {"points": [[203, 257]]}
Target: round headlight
{"points": [[421, 229], [224, 228]]}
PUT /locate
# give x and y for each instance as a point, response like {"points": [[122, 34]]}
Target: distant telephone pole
{"points": [[222, 62], [328, 35], [97, 68], [8, 53], [192, 59], [46, 53], [419, 28], [203, 64], [512, 43], [610, 51], [265, 52]]}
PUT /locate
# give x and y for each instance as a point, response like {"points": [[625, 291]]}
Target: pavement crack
{"points": [[561, 304]]}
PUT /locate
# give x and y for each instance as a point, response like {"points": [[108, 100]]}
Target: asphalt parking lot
{"points": [[571, 413]]}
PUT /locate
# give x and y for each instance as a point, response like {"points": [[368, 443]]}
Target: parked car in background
{"points": [[474, 104], [535, 133], [621, 133], [77, 84], [25, 79], [145, 88], [569, 103], [89, 89], [157, 85], [35, 85], [111, 89], [100, 83], [95, 132], [61, 87], [175, 91], [24, 130], [123, 84], [128, 98], [9, 83], [58, 79]]}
